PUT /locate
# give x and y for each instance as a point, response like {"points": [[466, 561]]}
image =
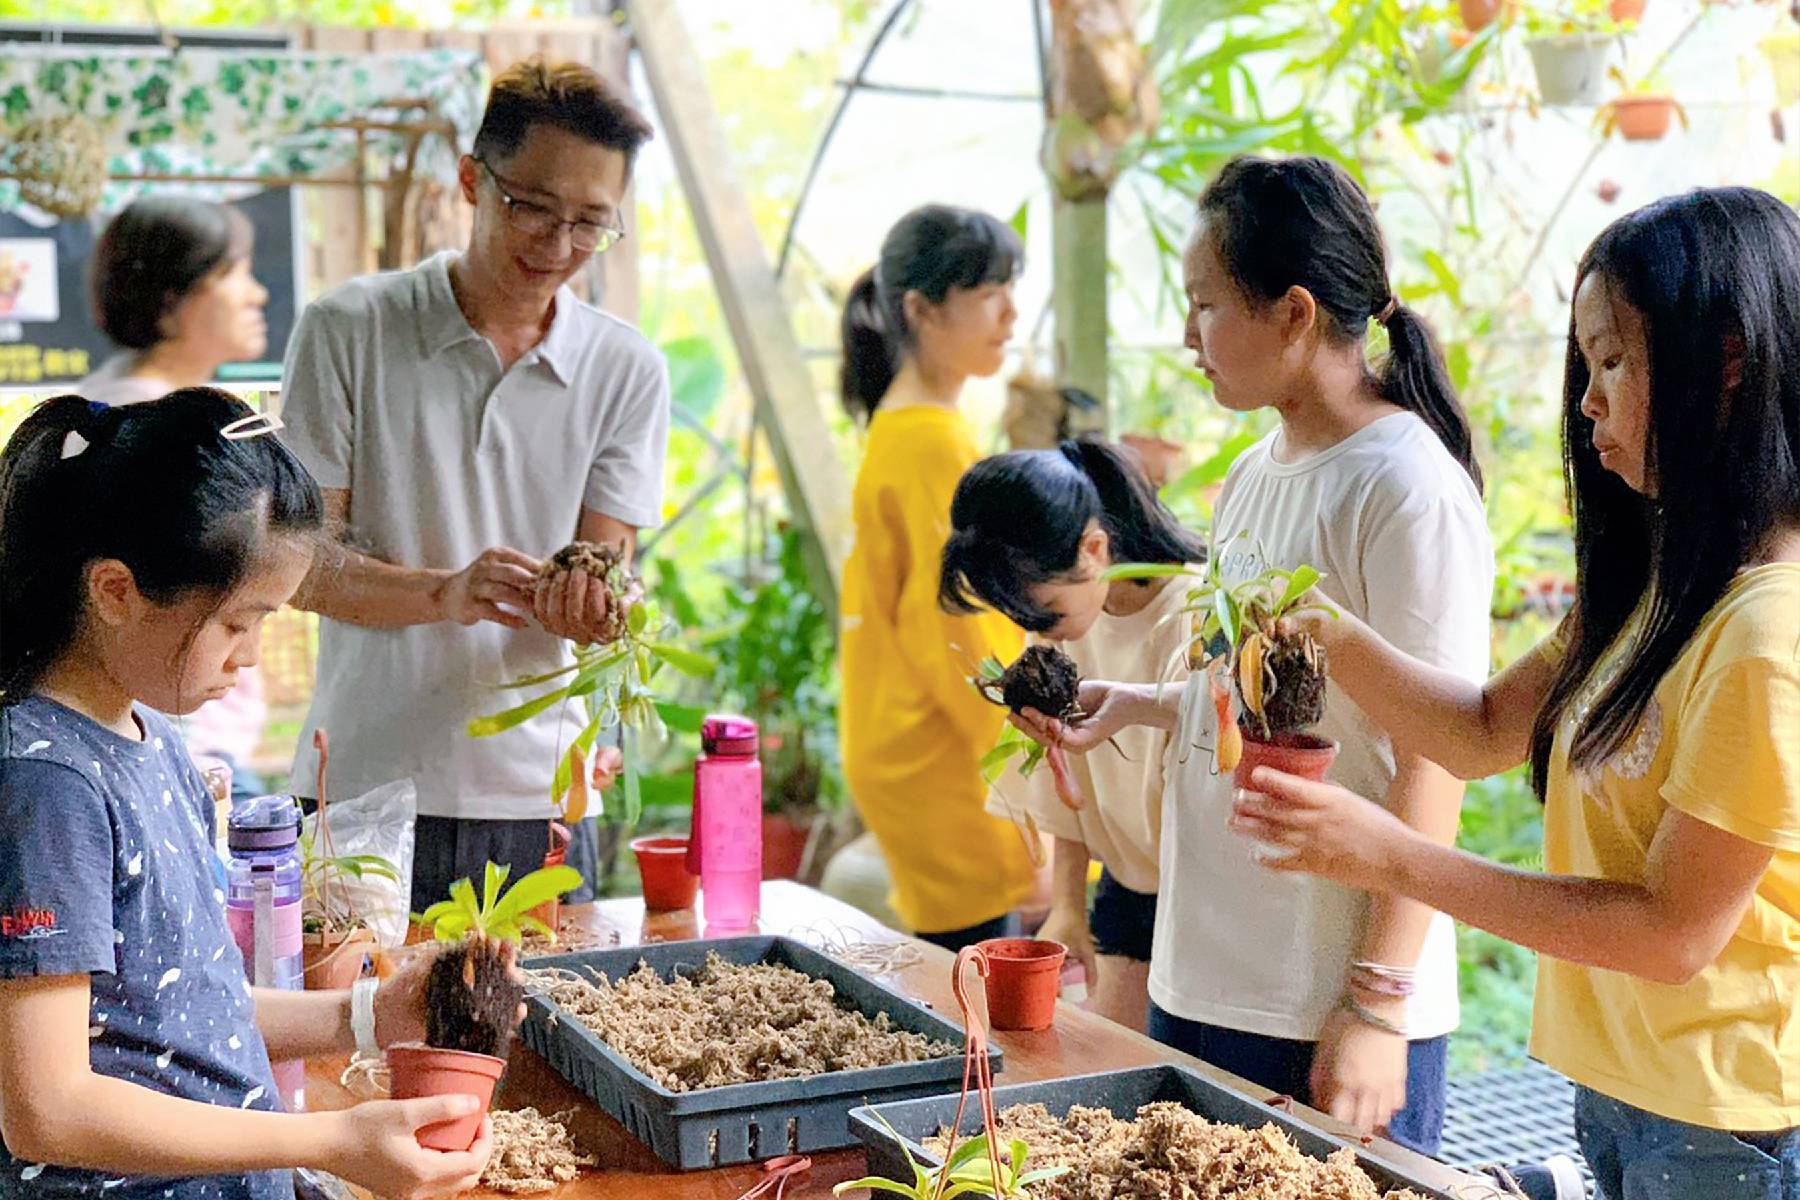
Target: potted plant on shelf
{"points": [[472, 995], [613, 678], [1479, 14], [1569, 46], [335, 939], [1643, 110]]}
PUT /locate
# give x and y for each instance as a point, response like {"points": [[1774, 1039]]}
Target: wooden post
{"points": [[1078, 302], [787, 402]]}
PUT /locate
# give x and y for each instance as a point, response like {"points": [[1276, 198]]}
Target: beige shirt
{"points": [[1122, 822]]}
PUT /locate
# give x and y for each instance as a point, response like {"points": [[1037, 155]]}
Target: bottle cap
{"points": [[730, 735], [264, 823]]}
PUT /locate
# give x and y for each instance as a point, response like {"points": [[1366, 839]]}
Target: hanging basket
{"points": [[1571, 68], [60, 163]]}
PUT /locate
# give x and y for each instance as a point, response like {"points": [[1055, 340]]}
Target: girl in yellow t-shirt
{"points": [[1662, 721], [936, 309]]}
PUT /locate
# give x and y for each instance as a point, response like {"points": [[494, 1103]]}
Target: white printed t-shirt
{"points": [[1398, 529], [389, 392]]}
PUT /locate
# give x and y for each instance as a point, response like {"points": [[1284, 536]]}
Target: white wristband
{"points": [[362, 1015]]}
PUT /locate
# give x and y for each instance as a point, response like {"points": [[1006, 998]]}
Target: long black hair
{"points": [[152, 255], [1017, 521], [929, 251], [1715, 276], [156, 486], [1303, 222]]}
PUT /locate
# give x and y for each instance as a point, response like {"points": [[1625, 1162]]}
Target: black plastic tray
{"points": [[741, 1122], [1123, 1092]]}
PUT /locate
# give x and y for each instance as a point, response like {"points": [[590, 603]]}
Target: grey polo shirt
{"points": [[389, 392]]}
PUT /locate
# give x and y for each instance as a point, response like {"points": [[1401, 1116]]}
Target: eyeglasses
{"points": [[534, 220]]}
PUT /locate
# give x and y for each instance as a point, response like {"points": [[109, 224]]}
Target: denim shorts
{"points": [[1637, 1155], [1122, 921]]}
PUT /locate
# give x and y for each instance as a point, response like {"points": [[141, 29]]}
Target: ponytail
{"points": [[929, 251], [1017, 521], [871, 354], [1303, 222], [1414, 377]]}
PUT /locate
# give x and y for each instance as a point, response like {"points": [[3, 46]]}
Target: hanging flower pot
{"points": [[1479, 14], [1157, 456], [1783, 51], [1571, 68], [1627, 10], [1644, 118]]}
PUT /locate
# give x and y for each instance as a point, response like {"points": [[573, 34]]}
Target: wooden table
{"points": [[1079, 1043]]}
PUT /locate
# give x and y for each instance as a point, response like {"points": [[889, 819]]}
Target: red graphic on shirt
{"points": [[28, 922]]}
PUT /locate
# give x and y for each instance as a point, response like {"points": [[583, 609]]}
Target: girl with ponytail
{"points": [[1031, 533], [1308, 988], [936, 309]]}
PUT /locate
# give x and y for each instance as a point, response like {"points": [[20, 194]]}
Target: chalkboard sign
{"points": [[47, 331]]}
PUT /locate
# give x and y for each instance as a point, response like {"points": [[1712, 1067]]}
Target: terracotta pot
{"points": [[1024, 975], [332, 961], [784, 844], [1300, 754], [421, 1070], [1571, 68], [662, 865], [1643, 118], [1479, 14], [1627, 10], [1158, 456]]}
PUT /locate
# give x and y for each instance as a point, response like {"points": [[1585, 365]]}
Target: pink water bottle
{"points": [[725, 847]]}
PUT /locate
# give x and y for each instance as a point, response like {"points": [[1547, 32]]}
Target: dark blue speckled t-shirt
{"points": [[107, 869]]}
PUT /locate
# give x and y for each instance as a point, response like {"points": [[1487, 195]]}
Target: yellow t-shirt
{"points": [[913, 727], [1720, 742]]}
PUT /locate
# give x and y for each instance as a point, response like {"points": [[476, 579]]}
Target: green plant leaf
{"points": [[876, 1183], [1225, 609], [1124, 571], [683, 718], [545, 883], [502, 721], [1021, 218], [688, 662], [1300, 582]]}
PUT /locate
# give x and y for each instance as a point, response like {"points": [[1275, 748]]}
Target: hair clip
{"points": [[254, 425], [73, 444]]}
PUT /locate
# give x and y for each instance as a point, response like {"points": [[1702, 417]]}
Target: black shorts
{"points": [[1123, 921]]}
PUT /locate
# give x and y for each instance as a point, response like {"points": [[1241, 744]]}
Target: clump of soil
{"points": [[533, 1153], [601, 561], [1042, 678], [472, 998], [1172, 1153], [1291, 696], [727, 1023]]}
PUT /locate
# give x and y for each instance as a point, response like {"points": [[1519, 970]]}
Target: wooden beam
{"points": [[787, 401]]}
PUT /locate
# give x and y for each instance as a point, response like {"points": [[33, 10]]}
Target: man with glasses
{"points": [[466, 418]]}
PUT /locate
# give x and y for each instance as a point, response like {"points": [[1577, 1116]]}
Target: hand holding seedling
{"points": [[1107, 708], [377, 1147], [1322, 829], [584, 593], [497, 587]]}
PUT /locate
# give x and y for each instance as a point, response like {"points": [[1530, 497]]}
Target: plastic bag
{"points": [[381, 823]]}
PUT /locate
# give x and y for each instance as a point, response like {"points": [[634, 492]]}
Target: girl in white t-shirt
{"points": [[1031, 534], [1291, 981]]}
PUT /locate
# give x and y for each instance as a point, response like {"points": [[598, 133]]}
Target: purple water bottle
{"points": [[725, 848], [262, 907]]}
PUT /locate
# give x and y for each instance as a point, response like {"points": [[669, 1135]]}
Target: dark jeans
{"points": [[446, 849], [1284, 1067], [955, 939], [1637, 1155]]}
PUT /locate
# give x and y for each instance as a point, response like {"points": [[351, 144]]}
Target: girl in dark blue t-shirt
{"points": [[140, 550]]}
